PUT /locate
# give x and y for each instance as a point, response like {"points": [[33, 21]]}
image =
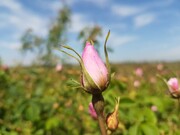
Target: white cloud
{"points": [[118, 40], [13, 45], [141, 13], [79, 22], [15, 20], [19, 19], [125, 10], [11, 5], [143, 20]]}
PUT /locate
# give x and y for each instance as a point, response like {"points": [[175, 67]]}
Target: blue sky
{"points": [[141, 30]]}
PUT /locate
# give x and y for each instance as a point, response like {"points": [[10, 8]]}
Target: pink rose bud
{"points": [[95, 75], [153, 80], [160, 67], [112, 120], [5, 68], [58, 67], [154, 108], [173, 85], [136, 83], [139, 72], [95, 68], [92, 111]]}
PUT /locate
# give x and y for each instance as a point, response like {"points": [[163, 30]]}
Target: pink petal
{"points": [[92, 111], [173, 84], [139, 72], [94, 65]]}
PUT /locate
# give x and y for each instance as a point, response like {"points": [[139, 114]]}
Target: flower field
{"points": [[40, 101]]}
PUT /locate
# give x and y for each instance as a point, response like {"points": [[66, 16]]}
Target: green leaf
{"points": [[52, 123], [40, 132], [126, 102], [149, 129], [149, 116], [32, 112], [134, 130]]}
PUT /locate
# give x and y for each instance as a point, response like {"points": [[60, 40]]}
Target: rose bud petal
{"points": [[173, 85], [95, 68]]}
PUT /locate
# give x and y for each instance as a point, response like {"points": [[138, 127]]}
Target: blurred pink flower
{"points": [[139, 72], [5, 68], [59, 67], [92, 111], [173, 85], [154, 108], [160, 67], [153, 80], [136, 83], [95, 68]]}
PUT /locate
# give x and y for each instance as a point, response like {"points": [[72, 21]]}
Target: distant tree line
{"points": [[42, 47]]}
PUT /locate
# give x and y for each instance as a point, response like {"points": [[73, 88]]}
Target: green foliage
{"points": [[37, 101]]}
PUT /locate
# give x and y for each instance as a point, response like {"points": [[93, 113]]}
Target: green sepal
{"points": [[73, 83], [71, 56], [69, 48], [112, 74], [107, 58], [76, 85], [117, 100], [92, 43]]}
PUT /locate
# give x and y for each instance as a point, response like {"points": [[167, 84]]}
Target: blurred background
{"points": [[35, 78], [140, 30]]}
